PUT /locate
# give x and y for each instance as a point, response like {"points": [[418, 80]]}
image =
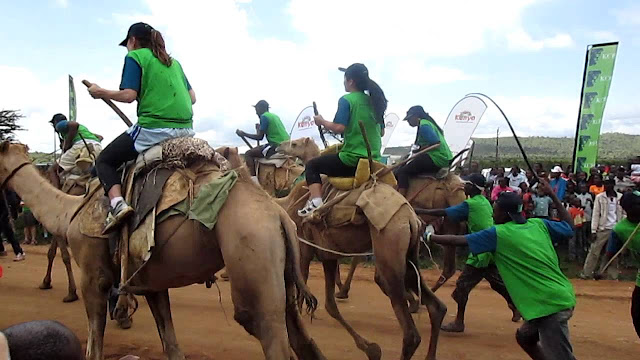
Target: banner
{"points": [[305, 126], [463, 121], [596, 81], [391, 121], [72, 100]]}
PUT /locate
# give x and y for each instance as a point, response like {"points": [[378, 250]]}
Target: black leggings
{"points": [[420, 165], [7, 231], [635, 309], [329, 165], [115, 154]]}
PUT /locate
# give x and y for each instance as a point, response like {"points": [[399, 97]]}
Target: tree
{"points": [[8, 124]]}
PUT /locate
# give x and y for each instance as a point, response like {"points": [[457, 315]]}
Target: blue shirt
{"points": [[264, 123], [427, 134], [132, 75], [487, 240], [343, 114], [459, 212], [559, 186]]}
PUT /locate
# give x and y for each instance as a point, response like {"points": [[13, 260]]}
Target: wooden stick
{"points": [[245, 141], [385, 171], [112, 106], [366, 142]]}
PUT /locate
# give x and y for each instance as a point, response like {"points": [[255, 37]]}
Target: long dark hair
{"points": [[360, 76], [155, 42], [420, 113]]}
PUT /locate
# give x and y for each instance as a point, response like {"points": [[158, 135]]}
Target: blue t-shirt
{"points": [[343, 114], [428, 135], [132, 75], [559, 186], [264, 123], [459, 212], [487, 240]]}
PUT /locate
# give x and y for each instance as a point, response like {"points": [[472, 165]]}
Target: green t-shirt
{"points": [[480, 218], [86, 134], [274, 129], [623, 230], [440, 156], [528, 264], [163, 100], [354, 147]]}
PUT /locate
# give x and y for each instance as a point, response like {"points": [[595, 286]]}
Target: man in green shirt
{"points": [[271, 127], [524, 254], [75, 138], [478, 214]]}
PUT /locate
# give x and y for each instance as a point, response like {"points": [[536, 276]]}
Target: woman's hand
{"points": [[96, 91]]}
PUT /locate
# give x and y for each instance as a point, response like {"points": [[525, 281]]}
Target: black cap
{"points": [[355, 70], [57, 118], [629, 200], [476, 179], [263, 104], [415, 110], [138, 30], [511, 203]]}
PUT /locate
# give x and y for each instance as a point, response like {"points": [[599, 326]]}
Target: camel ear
{"points": [[306, 140], [4, 146]]}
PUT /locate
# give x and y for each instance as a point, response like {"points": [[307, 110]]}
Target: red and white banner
{"points": [[463, 121], [305, 126]]}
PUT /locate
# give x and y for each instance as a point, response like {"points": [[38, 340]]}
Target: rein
{"points": [[13, 173]]}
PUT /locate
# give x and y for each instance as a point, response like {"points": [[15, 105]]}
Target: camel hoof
{"points": [[342, 295], [70, 298], [125, 323], [373, 351], [45, 286], [414, 307]]}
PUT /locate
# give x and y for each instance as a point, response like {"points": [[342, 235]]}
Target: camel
{"points": [[278, 181], [306, 149], [262, 258], [396, 254]]}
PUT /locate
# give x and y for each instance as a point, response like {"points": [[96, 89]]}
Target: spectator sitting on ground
{"points": [[40, 340], [516, 177], [503, 186], [598, 187], [558, 184]]}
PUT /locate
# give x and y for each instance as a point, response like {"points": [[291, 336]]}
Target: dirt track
{"points": [[600, 329]]}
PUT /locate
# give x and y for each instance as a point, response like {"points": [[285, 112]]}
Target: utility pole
{"points": [[497, 143]]}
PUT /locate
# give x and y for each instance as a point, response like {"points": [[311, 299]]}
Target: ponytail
{"points": [[428, 117], [378, 100], [157, 47]]}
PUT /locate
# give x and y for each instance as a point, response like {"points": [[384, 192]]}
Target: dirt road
{"points": [[600, 329]]}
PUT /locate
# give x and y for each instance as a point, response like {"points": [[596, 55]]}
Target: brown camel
{"points": [[261, 256], [396, 254], [453, 194], [278, 181]]}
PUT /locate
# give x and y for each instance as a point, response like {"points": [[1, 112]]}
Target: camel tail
{"points": [[292, 263]]}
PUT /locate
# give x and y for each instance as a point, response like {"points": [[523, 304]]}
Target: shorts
{"points": [[68, 159], [144, 138]]}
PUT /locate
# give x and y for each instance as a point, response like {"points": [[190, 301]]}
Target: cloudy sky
{"points": [[528, 55]]}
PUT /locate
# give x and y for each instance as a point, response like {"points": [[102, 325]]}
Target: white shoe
{"points": [[255, 180], [20, 257], [308, 209]]}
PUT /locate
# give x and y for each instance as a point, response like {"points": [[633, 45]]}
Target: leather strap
{"points": [[13, 173]]}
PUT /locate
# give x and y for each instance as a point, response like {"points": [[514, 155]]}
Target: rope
{"points": [[419, 282], [333, 251], [429, 251]]}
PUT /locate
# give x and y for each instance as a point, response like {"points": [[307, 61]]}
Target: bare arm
{"points": [[124, 96], [456, 240], [329, 125], [192, 94], [563, 214], [431, 212], [258, 136], [71, 133]]}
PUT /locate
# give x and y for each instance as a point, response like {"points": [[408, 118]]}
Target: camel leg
{"points": [[161, 309], [95, 303], [372, 350], [448, 267], [299, 339], [66, 258], [344, 289], [437, 309], [51, 256]]}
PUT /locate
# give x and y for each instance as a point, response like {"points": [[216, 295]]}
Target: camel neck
{"points": [[312, 152], [52, 207]]}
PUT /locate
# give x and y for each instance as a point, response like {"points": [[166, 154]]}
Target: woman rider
{"points": [[164, 97], [353, 107], [428, 134]]}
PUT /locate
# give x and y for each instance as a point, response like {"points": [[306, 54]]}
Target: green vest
{"points": [[86, 134], [276, 133], [480, 218], [163, 100], [354, 147], [528, 264], [624, 229], [440, 156]]}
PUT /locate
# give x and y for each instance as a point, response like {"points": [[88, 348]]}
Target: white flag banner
{"points": [[305, 126], [391, 121], [463, 121]]}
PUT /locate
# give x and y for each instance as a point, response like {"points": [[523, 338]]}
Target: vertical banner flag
{"points": [[305, 126], [391, 121], [72, 100], [596, 81], [463, 121]]}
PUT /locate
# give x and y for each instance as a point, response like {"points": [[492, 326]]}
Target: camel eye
{"points": [[294, 145]]}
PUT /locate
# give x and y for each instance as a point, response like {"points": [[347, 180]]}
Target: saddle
{"points": [[277, 160], [363, 174]]}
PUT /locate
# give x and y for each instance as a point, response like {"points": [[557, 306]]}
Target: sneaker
{"points": [[3, 253], [308, 209], [20, 257], [116, 215]]}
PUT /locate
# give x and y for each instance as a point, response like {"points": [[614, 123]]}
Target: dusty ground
{"points": [[600, 329]]}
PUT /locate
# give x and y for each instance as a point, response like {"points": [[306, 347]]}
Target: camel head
{"points": [[12, 155], [303, 148]]}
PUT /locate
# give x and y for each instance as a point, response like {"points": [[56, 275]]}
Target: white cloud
{"points": [[521, 40], [62, 3], [628, 16], [416, 72], [604, 36]]}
